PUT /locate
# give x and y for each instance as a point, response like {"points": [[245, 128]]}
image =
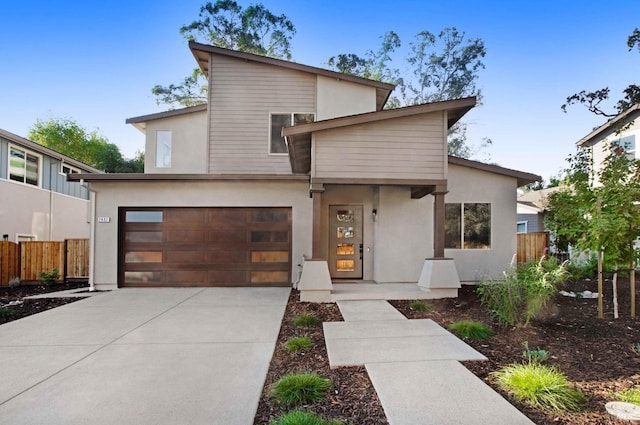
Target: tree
{"points": [[593, 100], [69, 138], [254, 29], [599, 215]]}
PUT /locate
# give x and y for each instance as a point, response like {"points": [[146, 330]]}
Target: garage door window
{"points": [[143, 217], [143, 257]]}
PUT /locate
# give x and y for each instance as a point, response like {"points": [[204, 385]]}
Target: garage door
{"points": [[205, 247]]}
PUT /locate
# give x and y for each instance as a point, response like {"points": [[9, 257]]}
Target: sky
{"points": [[96, 61]]}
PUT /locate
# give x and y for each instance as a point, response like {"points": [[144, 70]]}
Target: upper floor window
{"points": [[467, 226], [277, 144], [67, 169], [24, 166], [629, 145], [163, 149]]}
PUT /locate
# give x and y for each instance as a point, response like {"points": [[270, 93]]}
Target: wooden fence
{"points": [[28, 259], [532, 246]]}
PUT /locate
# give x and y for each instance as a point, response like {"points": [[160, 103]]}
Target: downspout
{"points": [[92, 233]]}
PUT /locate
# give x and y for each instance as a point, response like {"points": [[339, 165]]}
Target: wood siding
{"points": [[402, 148], [242, 96], [37, 257], [77, 259]]}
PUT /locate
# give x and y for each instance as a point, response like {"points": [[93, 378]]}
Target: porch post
{"points": [[438, 224], [316, 193]]}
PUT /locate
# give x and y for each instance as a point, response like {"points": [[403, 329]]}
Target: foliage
{"points": [[254, 29], [524, 293], [49, 277], [5, 312], [14, 282], [534, 356], [540, 386], [420, 306], [592, 100], [67, 137], [305, 320], [472, 330], [300, 388], [630, 395], [302, 343], [298, 417]]}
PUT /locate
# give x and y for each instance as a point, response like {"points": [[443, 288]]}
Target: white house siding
{"points": [[241, 97], [469, 185], [196, 194], [188, 144], [339, 98], [402, 148], [47, 215]]}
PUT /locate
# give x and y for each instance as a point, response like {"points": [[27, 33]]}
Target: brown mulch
{"points": [[352, 396], [29, 307]]}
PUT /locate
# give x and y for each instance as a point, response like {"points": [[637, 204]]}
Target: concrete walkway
{"points": [[143, 356], [413, 365]]}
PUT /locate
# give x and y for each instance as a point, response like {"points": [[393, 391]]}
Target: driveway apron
{"points": [[143, 356]]}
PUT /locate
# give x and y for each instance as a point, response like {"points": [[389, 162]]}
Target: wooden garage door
{"points": [[205, 247]]}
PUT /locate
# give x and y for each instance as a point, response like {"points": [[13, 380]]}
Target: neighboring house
{"points": [[624, 130], [288, 161], [532, 205], [38, 203]]}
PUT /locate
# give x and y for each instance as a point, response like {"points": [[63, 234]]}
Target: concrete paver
{"points": [[368, 310], [439, 393]]}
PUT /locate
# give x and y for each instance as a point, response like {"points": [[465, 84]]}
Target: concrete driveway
{"points": [[142, 356]]}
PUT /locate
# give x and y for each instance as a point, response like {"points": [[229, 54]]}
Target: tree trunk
{"points": [[615, 292], [600, 308], [632, 282]]}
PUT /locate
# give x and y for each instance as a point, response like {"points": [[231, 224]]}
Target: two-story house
{"points": [[38, 203], [288, 161]]}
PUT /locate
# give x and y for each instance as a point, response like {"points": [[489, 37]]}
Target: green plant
{"points": [[5, 312], [300, 343], [420, 306], [300, 388], [14, 282], [298, 417], [49, 277], [305, 320], [630, 395], [540, 386], [472, 330], [524, 293], [537, 356]]}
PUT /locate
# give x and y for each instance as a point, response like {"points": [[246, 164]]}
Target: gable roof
{"points": [[33, 146], [140, 121], [522, 177], [610, 126], [202, 51]]}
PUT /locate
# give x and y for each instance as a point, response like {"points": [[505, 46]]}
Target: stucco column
{"points": [[316, 193], [438, 224]]}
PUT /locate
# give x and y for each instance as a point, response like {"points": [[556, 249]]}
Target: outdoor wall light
{"points": [[374, 213]]}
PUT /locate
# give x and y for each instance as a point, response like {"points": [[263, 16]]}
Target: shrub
{"points": [[301, 343], [472, 330], [540, 386], [300, 388], [14, 282], [536, 356], [630, 395], [524, 293], [6, 312], [305, 320], [49, 277], [298, 417], [420, 306]]}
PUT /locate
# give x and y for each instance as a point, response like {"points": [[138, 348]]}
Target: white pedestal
{"points": [[439, 273], [315, 282]]}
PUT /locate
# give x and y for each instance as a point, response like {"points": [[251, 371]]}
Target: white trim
{"points": [[73, 170], [526, 226], [26, 151], [27, 236]]}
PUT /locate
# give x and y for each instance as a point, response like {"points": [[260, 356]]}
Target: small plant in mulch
{"points": [[49, 277], [298, 417], [536, 356], [14, 282], [540, 386], [420, 306], [305, 320], [301, 343], [300, 388], [472, 330], [630, 395], [5, 312]]}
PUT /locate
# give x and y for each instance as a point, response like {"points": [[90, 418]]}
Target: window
{"points": [[521, 227], [67, 169], [467, 226], [24, 166], [629, 145], [163, 149], [277, 144]]}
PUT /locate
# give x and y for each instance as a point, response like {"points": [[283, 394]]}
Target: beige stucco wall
{"points": [[188, 144], [110, 196], [469, 185], [29, 210], [337, 98]]}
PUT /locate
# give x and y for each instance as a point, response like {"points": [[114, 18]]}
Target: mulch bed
{"points": [[352, 397], [29, 307]]}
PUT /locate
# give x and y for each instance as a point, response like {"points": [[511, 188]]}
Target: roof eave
{"points": [[598, 134], [522, 177]]}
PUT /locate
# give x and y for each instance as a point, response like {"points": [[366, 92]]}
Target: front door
{"points": [[345, 241]]}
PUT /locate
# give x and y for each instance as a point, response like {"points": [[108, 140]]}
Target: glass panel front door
{"points": [[345, 241]]}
